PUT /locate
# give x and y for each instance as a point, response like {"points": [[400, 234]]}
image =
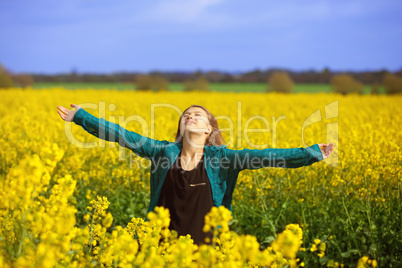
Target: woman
{"points": [[197, 171]]}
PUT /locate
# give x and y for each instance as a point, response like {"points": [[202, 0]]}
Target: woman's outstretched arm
{"points": [[274, 157], [99, 127]]}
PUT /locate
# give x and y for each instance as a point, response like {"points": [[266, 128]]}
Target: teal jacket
{"points": [[222, 164]]}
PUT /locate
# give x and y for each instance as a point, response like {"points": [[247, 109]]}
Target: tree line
{"points": [[340, 83], [256, 76], [278, 80]]}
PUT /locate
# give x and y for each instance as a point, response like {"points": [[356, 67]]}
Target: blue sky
{"points": [[102, 36]]}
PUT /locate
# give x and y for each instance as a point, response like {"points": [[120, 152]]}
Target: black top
{"points": [[188, 196]]}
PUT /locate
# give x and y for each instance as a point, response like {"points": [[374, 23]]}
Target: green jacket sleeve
{"points": [[99, 127], [273, 157]]}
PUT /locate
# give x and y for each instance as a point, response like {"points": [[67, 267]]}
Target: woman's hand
{"points": [[326, 150], [67, 115]]}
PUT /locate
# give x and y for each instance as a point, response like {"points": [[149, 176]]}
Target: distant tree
{"points": [[345, 84], [200, 84], [74, 76], [280, 82], [197, 74], [255, 76], [215, 76], [159, 83], [392, 83], [143, 82], [22, 80], [188, 85], [375, 89], [325, 76], [5, 78], [228, 78]]}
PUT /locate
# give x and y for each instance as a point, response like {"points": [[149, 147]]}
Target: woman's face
{"points": [[195, 120]]}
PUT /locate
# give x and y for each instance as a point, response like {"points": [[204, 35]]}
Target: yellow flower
{"points": [[86, 217], [108, 220], [362, 262], [46, 177], [313, 248]]}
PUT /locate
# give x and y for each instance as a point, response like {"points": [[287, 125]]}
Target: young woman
{"points": [[197, 171]]}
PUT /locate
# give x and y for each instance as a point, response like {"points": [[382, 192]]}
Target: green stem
{"points": [[264, 204], [214, 237], [305, 223], [23, 235], [280, 212], [368, 209], [91, 238], [350, 224]]}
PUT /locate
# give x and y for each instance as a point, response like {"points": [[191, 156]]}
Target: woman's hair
{"points": [[214, 138]]}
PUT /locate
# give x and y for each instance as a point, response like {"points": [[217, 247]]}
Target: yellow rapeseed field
{"points": [[70, 199]]}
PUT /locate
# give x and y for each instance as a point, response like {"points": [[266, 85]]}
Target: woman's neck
{"points": [[192, 148]]}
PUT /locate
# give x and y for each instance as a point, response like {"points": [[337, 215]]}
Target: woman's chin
{"points": [[190, 131]]}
